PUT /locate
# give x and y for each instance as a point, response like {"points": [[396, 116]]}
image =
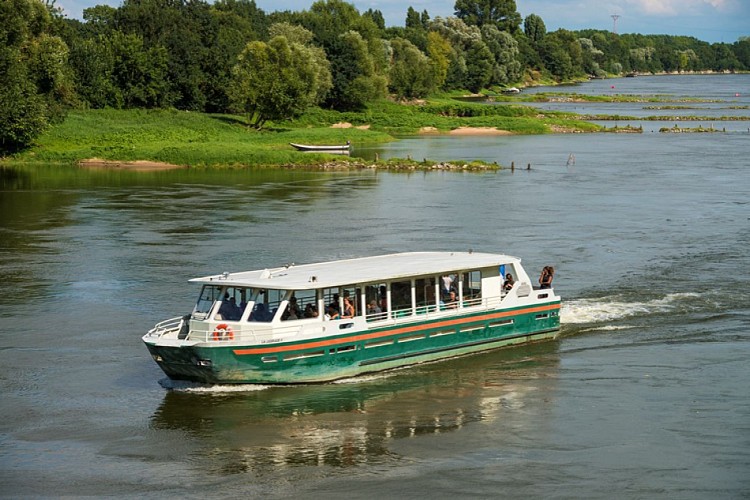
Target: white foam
{"points": [[608, 309], [607, 328], [184, 386]]}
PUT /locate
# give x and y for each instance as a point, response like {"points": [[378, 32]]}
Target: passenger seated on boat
{"points": [[260, 313], [348, 308], [545, 280], [289, 313], [451, 301], [229, 310], [383, 298], [508, 284], [311, 311], [335, 303], [332, 313], [373, 308], [292, 310]]}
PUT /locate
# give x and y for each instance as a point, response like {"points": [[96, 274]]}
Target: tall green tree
{"points": [[507, 67], [356, 76], [237, 23], [140, 73], [413, 20], [411, 73], [439, 51], [534, 28], [276, 80], [479, 66], [93, 62], [35, 84], [462, 38], [501, 13]]}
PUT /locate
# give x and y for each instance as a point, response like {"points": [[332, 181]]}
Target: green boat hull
{"points": [[357, 353]]}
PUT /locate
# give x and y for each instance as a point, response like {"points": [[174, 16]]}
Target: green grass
{"points": [[213, 140], [180, 137]]}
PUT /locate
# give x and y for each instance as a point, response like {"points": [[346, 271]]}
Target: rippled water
{"points": [[644, 395]]}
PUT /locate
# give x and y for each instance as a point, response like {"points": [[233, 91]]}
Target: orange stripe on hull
{"points": [[387, 333]]}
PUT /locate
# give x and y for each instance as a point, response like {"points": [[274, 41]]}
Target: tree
{"points": [[412, 19], [461, 38], [562, 55], [534, 28], [277, 80], [479, 66], [411, 73], [93, 63], [140, 73], [741, 51], [377, 18], [356, 79], [439, 52], [507, 67], [501, 13], [237, 22], [35, 85]]}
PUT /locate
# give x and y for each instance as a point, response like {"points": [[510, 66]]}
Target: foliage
{"points": [[504, 48], [35, 81], [279, 79], [184, 54], [411, 73], [355, 78], [534, 28], [499, 13]]}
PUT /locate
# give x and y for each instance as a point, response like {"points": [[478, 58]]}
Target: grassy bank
{"points": [[205, 140]]}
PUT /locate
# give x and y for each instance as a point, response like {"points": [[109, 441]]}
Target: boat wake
{"points": [[607, 309], [196, 387]]}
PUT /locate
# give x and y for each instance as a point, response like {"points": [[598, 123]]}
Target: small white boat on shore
{"points": [[333, 149], [332, 320]]}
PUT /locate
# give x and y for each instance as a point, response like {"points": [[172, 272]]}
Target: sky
{"points": [[708, 20]]}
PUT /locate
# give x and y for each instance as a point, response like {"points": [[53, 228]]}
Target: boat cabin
{"points": [[369, 290]]}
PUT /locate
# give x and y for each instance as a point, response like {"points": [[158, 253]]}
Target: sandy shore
{"points": [[478, 131], [139, 165], [466, 131]]}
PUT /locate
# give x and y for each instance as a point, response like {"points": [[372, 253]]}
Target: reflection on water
{"points": [[355, 421]]}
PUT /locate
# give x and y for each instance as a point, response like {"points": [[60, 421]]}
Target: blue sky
{"points": [[708, 20]]}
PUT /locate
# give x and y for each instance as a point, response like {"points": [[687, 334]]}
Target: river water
{"points": [[645, 394]]}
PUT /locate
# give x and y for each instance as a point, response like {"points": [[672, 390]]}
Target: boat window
{"points": [[233, 303], [302, 305], [335, 299], [353, 294], [505, 270], [266, 305], [332, 302], [209, 294], [401, 298], [376, 300], [472, 288], [424, 291]]}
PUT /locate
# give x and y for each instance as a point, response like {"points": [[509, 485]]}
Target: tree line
{"points": [[229, 56]]}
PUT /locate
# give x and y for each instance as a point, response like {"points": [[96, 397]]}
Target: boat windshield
{"points": [[232, 300]]}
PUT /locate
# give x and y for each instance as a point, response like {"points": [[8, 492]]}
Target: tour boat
{"points": [[339, 319]]}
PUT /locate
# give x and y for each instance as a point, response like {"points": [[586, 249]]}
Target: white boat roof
{"points": [[360, 270]]}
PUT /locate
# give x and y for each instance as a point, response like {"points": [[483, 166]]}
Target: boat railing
{"points": [[166, 326], [430, 310], [230, 332]]}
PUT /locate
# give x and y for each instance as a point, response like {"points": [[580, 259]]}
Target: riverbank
{"points": [[159, 139]]}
